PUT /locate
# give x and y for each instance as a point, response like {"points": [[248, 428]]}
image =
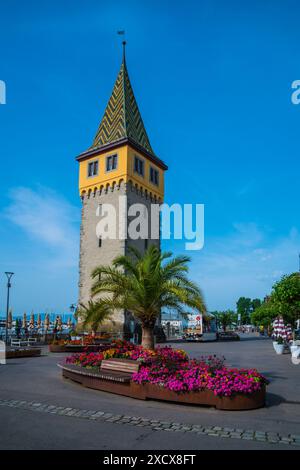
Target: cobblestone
{"points": [[225, 432]]}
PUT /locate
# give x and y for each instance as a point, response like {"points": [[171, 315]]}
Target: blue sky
{"points": [[213, 82]]}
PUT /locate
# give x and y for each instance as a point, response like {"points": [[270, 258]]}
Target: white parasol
{"points": [[281, 330]]}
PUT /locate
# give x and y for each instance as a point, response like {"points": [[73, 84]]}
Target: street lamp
{"points": [[9, 276], [72, 308]]}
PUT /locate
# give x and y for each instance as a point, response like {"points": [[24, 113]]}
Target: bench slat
{"points": [[121, 365], [118, 367], [115, 360]]}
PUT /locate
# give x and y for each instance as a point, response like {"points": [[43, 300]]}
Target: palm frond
{"points": [[95, 313], [145, 284]]}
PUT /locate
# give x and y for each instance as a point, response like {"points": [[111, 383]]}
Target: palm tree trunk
{"points": [[147, 337]]}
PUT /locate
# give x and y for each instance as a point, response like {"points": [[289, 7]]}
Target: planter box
{"points": [[56, 348], [228, 337], [26, 352], [207, 397], [279, 348], [295, 350], [242, 402], [156, 392], [91, 379]]}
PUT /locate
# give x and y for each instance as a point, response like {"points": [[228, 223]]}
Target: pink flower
{"points": [[172, 369]]}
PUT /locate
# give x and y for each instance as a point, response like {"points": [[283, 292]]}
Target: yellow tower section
{"points": [[105, 169], [121, 151]]}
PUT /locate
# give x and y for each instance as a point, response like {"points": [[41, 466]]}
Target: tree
{"points": [[145, 284], [284, 300], [255, 303], [225, 319], [95, 313], [286, 297], [264, 314], [243, 307]]}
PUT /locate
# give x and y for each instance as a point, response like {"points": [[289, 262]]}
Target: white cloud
{"points": [[40, 235], [49, 219]]}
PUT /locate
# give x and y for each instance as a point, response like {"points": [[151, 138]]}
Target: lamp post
{"points": [[73, 309], [9, 276]]}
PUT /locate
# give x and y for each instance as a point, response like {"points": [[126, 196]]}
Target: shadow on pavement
{"points": [[242, 338], [254, 338], [275, 400]]}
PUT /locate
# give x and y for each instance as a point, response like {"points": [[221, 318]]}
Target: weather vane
{"points": [[122, 33]]}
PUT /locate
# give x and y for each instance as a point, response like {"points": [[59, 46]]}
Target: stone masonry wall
{"points": [[91, 255]]}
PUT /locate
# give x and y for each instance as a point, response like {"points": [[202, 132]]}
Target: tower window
{"points": [[154, 176], [111, 162], [93, 168], [139, 166], [100, 242], [99, 210]]}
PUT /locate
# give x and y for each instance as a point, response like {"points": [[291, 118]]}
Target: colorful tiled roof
{"points": [[122, 118]]}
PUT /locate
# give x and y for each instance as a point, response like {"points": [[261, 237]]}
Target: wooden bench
{"points": [[118, 370], [114, 376]]}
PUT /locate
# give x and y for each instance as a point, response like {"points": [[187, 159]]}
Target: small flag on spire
{"points": [[122, 33]]}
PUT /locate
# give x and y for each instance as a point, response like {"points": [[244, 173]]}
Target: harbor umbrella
{"points": [[59, 323], [31, 322], [46, 322], [280, 330]]}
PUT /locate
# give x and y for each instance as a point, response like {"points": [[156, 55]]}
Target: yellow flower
{"points": [[109, 353]]}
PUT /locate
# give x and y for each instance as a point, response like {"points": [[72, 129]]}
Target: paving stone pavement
{"points": [[156, 425]]}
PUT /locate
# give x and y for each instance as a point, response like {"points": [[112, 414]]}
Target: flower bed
{"points": [[172, 370], [91, 343]]}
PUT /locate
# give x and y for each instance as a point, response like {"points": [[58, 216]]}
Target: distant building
{"points": [[172, 327]]}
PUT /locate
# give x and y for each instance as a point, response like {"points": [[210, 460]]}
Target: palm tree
{"points": [[144, 284], [225, 318], [95, 313]]}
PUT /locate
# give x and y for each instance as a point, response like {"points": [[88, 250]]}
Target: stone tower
{"points": [[120, 162]]}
